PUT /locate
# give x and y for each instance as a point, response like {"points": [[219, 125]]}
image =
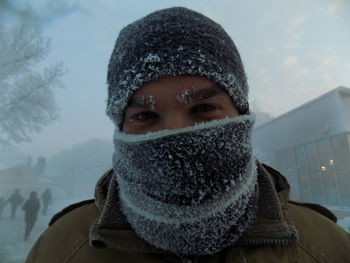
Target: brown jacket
{"points": [[284, 231]]}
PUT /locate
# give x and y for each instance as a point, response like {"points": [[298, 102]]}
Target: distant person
{"points": [[3, 203], [15, 200], [185, 184], [31, 208], [47, 200]]}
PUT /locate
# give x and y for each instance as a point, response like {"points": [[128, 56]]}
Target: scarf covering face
{"points": [[190, 191]]}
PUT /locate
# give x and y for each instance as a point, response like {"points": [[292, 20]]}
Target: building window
{"points": [[317, 189], [303, 174], [328, 172], [341, 163], [318, 171]]}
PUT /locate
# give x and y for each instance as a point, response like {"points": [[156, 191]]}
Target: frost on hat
{"points": [[171, 42]]}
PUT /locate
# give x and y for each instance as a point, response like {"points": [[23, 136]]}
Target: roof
{"points": [[341, 90]]}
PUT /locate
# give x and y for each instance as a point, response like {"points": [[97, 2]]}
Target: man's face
{"points": [[176, 102]]}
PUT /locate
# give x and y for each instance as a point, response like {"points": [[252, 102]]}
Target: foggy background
{"points": [[293, 51]]}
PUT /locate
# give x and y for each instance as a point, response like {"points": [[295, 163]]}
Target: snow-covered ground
{"points": [[13, 249], [345, 223]]}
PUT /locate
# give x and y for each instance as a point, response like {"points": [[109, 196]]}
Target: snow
{"points": [[184, 97], [345, 223], [180, 48], [176, 197], [146, 101], [27, 101], [12, 247], [181, 55], [118, 135], [152, 58], [189, 214]]}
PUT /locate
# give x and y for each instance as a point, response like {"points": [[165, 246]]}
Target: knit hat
{"points": [[171, 42]]}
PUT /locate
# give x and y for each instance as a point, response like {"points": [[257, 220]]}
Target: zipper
{"points": [[281, 242], [253, 242]]}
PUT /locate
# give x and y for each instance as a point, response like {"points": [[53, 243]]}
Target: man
{"points": [[47, 200], [31, 208], [185, 186], [15, 200], [3, 203]]}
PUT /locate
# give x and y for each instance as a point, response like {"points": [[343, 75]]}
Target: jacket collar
{"points": [[273, 224]]}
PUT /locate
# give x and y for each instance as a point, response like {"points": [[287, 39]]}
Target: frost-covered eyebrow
{"points": [[142, 102], [202, 94], [187, 96]]}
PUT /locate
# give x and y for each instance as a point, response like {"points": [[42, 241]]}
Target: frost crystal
{"points": [[180, 48], [190, 190], [148, 102], [152, 58], [191, 47], [27, 97], [184, 97]]}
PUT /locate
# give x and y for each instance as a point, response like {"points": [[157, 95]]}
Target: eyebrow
{"points": [[186, 96], [202, 94], [142, 102]]}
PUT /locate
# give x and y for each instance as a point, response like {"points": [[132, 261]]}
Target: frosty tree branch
{"points": [[27, 102], [42, 11]]}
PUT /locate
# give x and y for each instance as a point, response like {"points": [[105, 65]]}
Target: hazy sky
{"points": [[293, 51]]}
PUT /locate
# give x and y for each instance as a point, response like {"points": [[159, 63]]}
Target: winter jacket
{"points": [[15, 199], [31, 208], [284, 231]]}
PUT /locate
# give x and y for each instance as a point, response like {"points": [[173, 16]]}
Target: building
{"points": [[310, 145], [25, 177]]}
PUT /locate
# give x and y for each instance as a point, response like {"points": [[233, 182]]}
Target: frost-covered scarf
{"points": [[191, 191]]}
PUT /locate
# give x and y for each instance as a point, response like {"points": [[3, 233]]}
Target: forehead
{"points": [[181, 87]]}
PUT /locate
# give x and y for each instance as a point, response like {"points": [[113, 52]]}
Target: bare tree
{"points": [[41, 11], [27, 102]]}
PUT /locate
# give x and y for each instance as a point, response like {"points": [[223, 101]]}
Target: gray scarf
{"points": [[191, 191]]}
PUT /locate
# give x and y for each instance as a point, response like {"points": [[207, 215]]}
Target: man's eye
{"points": [[204, 108], [144, 116]]}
